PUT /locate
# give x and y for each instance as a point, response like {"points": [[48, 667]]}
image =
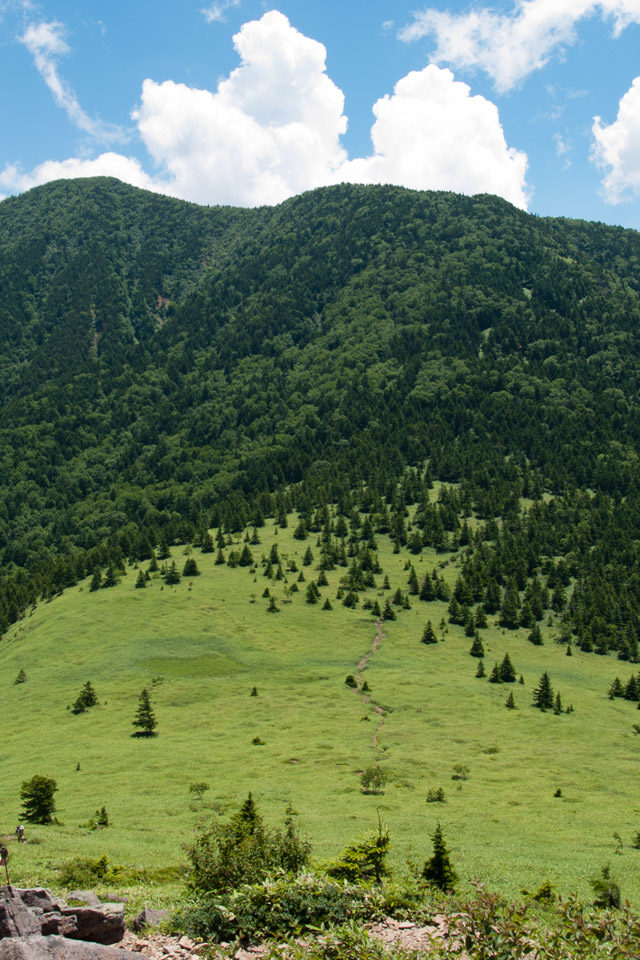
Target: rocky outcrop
{"points": [[35, 924], [60, 948]]}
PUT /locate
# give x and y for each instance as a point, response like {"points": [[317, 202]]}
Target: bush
{"points": [[244, 850], [363, 860], [373, 779]]}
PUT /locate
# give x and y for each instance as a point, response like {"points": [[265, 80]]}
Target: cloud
{"points": [[273, 129], [216, 12], [511, 46], [15, 180], [617, 147], [46, 42], [432, 134]]}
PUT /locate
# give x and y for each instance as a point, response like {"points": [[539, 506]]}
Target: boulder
{"points": [[16, 920], [104, 924], [60, 948]]}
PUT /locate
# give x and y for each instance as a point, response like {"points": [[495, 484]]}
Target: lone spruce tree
{"points": [[543, 694], [145, 718], [438, 870]]}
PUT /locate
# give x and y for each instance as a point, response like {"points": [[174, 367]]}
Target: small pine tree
{"points": [[495, 677], [388, 613], [535, 637], [191, 568], [481, 672], [96, 580], [428, 635], [327, 605], [273, 608], [307, 560], [438, 869], [507, 673], [477, 649], [322, 579], [141, 582], [543, 694], [172, 576], [207, 542], [510, 704], [375, 609], [21, 678], [557, 705], [145, 718]]}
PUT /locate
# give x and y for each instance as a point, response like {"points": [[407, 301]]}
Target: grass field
{"points": [[201, 646]]}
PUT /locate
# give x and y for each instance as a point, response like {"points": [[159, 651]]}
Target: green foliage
{"points": [[37, 795], [21, 677], [363, 860], [190, 568], [606, 889], [244, 850], [373, 779], [86, 698]]}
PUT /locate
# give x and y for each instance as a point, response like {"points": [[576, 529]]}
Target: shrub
{"points": [[244, 850], [373, 779], [363, 860], [606, 889]]}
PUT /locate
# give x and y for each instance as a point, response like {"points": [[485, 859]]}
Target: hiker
{"points": [[4, 856], [20, 833]]}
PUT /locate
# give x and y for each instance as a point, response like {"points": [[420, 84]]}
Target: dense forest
{"points": [[167, 368]]}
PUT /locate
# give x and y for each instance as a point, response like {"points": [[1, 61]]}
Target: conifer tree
{"points": [[414, 586], [543, 694], [172, 576], [145, 718], [220, 558], [510, 704], [327, 605], [481, 617], [495, 675], [308, 557], [427, 590], [207, 543], [507, 673], [273, 608], [428, 635], [141, 582], [535, 637], [477, 649], [388, 613], [438, 869], [246, 557], [481, 672], [190, 568], [96, 580]]}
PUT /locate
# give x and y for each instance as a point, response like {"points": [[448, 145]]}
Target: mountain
{"points": [[166, 368]]}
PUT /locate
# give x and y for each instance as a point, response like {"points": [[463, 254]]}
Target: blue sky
{"points": [[244, 102]]}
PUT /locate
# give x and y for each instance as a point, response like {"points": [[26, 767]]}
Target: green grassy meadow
{"points": [[201, 646]]}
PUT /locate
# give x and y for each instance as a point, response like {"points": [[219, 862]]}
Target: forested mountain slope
{"points": [[166, 367]]}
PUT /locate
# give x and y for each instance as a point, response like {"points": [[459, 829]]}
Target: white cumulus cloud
{"points": [[273, 128], [46, 42], [511, 46], [432, 134], [15, 180], [617, 147]]}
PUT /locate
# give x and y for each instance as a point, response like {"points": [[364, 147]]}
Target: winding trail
{"points": [[362, 665]]}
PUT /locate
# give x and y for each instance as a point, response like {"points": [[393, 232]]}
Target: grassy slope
{"points": [[212, 640]]}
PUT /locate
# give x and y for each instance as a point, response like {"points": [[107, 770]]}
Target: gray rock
{"points": [[16, 920], [60, 948], [100, 925], [36, 897], [149, 918]]}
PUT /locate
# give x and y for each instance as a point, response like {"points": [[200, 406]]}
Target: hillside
{"points": [[442, 380]]}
